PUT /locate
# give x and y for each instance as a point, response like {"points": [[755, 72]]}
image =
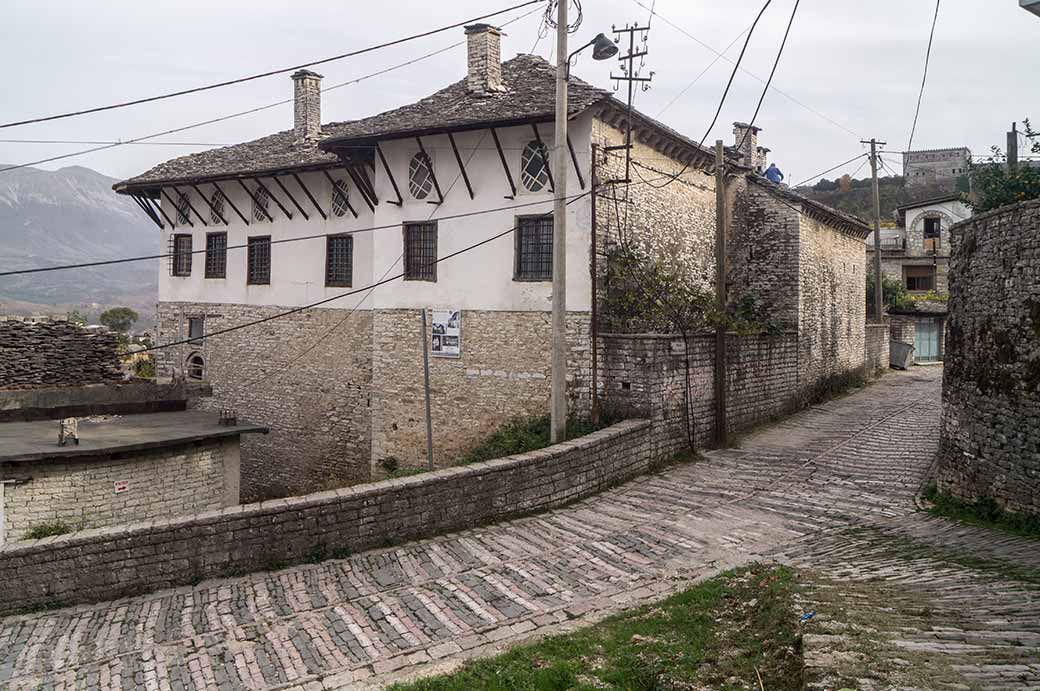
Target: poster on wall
{"points": [[446, 340]]}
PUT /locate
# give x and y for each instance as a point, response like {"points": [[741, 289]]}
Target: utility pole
{"points": [[558, 393], [1012, 148], [426, 389], [721, 426], [879, 282]]}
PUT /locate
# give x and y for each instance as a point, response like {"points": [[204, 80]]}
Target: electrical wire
{"points": [[829, 170], [769, 81], [924, 78], [270, 73], [703, 72], [116, 141]]}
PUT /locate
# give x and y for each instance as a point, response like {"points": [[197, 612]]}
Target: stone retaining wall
{"points": [[50, 354], [990, 446], [877, 345], [109, 563]]}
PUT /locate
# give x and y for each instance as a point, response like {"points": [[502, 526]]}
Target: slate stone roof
{"points": [[529, 95], [847, 223]]}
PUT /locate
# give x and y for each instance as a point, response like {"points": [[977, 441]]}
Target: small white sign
{"points": [[121, 486], [446, 339]]}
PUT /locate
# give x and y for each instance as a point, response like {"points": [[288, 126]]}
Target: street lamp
{"points": [[602, 49]]}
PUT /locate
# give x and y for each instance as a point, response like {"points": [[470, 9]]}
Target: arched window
{"points": [[261, 203], [420, 176], [196, 366], [339, 197], [534, 167], [183, 209], [217, 206]]}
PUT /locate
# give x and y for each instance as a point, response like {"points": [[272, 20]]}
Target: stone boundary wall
{"points": [[110, 563], [990, 443], [877, 349], [49, 354], [903, 328]]}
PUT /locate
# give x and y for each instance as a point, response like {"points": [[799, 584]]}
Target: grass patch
{"points": [[720, 634], [984, 512], [49, 529], [521, 436]]}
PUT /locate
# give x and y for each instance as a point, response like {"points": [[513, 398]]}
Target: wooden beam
{"points": [[271, 195], [346, 199], [158, 207], [210, 204], [191, 206], [462, 166], [292, 198], [256, 204], [545, 157], [176, 209], [574, 160], [369, 187], [310, 196], [148, 210], [360, 187], [231, 203], [390, 175], [433, 174], [505, 166]]}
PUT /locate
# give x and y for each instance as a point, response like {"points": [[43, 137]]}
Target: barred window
{"points": [[534, 247], [339, 261], [183, 209], [420, 176], [258, 271], [196, 366], [196, 329], [216, 207], [216, 255], [534, 167], [181, 254], [339, 197], [261, 203], [420, 251]]}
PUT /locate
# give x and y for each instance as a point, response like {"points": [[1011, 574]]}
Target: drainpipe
{"points": [[595, 309]]}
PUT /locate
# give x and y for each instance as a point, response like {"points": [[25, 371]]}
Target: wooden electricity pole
{"points": [[879, 282], [558, 392], [721, 428], [1012, 148]]}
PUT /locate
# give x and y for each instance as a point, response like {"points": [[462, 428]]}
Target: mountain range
{"points": [[72, 216]]}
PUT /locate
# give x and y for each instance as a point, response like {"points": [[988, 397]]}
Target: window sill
{"points": [[521, 279]]}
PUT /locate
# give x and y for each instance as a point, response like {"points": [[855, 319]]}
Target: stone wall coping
{"points": [[1007, 209], [59, 545], [703, 334]]}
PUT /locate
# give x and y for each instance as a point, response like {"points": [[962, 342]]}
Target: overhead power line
{"points": [[116, 141], [748, 72], [924, 78], [830, 170], [269, 73], [703, 72]]}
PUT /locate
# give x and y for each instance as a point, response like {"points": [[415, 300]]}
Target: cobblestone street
{"points": [[903, 599]]}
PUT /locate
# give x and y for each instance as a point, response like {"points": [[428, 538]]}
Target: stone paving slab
{"points": [[829, 490]]}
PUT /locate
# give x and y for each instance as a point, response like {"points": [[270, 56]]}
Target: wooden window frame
{"points": [[932, 276], [177, 268], [212, 256], [329, 281], [256, 241], [518, 233], [409, 273]]}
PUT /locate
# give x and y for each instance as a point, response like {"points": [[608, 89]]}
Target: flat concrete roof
{"points": [[38, 440]]}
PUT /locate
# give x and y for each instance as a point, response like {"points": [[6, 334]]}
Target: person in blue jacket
{"points": [[773, 174]]}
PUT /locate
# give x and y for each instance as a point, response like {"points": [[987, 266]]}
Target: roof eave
{"points": [[146, 186]]}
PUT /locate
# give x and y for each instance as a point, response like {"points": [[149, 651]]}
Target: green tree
{"points": [[993, 185], [118, 319], [893, 293], [76, 317]]}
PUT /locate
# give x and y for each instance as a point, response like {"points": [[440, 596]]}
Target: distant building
{"points": [[935, 167]]}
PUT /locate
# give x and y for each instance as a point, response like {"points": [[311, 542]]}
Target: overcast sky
{"points": [[858, 64]]}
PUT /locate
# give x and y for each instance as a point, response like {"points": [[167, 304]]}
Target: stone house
{"points": [[935, 167], [322, 211]]}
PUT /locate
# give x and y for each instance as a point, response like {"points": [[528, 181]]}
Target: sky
{"points": [[850, 70]]}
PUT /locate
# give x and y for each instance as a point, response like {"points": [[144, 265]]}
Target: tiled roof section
{"points": [[847, 223], [938, 151], [529, 93], [933, 200]]}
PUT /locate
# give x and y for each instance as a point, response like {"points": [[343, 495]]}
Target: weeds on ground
{"points": [[521, 436], [720, 634], [984, 512]]}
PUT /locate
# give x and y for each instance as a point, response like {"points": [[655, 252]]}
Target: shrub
{"points": [[49, 529], [993, 185]]}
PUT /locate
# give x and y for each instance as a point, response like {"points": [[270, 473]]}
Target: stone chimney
{"points": [[749, 151], [306, 107], [484, 53]]}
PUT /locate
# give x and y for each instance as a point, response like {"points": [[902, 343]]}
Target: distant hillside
{"points": [[859, 200], [72, 216]]}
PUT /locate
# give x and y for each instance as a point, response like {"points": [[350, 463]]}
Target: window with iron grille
{"points": [[216, 207], [534, 240], [339, 261], [339, 197], [183, 209], [196, 329], [534, 167], [196, 366], [420, 176], [420, 251], [216, 255], [258, 271], [261, 204], [181, 254]]}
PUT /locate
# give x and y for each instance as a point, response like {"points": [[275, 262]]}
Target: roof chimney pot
{"points": [[746, 143], [484, 58], [306, 107]]}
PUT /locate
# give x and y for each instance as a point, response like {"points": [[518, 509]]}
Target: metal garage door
{"points": [[927, 341]]}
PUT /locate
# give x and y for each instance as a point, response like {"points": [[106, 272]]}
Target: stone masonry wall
{"points": [[81, 493], [502, 374], [307, 376], [990, 444], [51, 354], [109, 563], [877, 349], [903, 328]]}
